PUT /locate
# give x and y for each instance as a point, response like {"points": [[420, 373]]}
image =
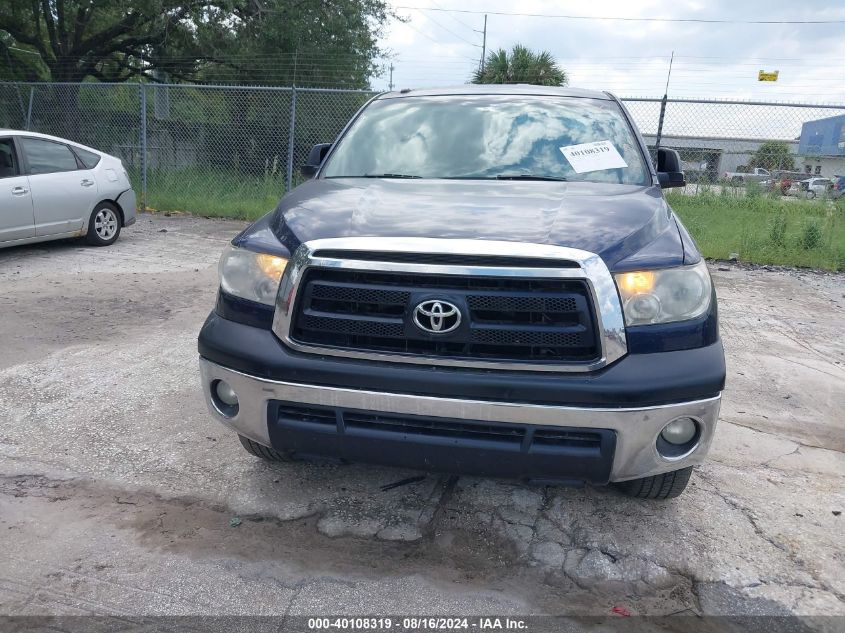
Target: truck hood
{"points": [[614, 221]]}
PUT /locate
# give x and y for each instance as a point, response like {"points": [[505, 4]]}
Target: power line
{"points": [[583, 61], [618, 18], [428, 17], [471, 28], [699, 75], [428, 37]]}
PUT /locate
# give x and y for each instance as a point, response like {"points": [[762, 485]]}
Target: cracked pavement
{"points": [[119, 494]]}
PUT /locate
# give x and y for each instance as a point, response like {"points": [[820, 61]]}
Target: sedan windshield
{"points": [[509, 137]]}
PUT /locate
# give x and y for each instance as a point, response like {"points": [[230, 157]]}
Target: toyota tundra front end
{"points": [[483, 280]]}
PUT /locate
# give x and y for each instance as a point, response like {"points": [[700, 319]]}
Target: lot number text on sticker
{"points": [[593, 156]]}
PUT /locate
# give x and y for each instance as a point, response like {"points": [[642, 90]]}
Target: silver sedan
{"points": [[52, 188]]}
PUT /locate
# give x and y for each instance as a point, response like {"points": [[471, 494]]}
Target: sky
{"points": [[631, 58]]}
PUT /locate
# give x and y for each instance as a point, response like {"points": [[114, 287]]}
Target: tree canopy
{"points": [[773, 155], [310, 42], [520, 65]]}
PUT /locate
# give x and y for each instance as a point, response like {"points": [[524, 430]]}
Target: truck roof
{"points": [[498, 89]]}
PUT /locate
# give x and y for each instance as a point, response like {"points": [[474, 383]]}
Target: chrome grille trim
{"points": [[591, 268]]}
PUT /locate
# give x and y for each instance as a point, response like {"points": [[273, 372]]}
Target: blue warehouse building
{"points": [[822, 146]]}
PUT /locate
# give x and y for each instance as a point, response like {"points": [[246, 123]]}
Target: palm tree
{"points": [[522, 66]]}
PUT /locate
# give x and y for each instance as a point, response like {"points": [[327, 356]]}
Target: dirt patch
{"points": [[449, 554]]}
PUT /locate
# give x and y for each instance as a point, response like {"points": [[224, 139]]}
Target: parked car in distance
{"points": [[811, 188], [757, 174], [52, 188], [838, 187], [442, 295], [770, 184], [783, 179]]}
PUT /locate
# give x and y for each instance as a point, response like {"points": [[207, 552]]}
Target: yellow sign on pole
{"points": [[764, 76]]}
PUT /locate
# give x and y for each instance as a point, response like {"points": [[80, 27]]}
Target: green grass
{"points": [[760, 228], [214, 193], [766, 230]]}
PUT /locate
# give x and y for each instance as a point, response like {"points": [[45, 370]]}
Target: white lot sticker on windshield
{"points": [[593, 156]]}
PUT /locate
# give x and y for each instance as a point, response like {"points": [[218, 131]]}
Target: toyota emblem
{"points": [[437, 317]]}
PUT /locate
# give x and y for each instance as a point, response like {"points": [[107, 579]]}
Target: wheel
{"points": [[264, 452], [811, 195], [665, 486], [104, 225]]}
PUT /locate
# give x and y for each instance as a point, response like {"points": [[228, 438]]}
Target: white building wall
{"points": [[830, 165]]}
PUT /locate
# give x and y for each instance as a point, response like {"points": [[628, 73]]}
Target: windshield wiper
{"points": [[528, 177], [390, 176]]}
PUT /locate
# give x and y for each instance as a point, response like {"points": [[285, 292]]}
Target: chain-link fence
{"points": [[740, 142], [215, 147], [190, 147]]}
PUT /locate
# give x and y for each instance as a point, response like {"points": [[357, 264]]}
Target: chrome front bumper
{"points": [[636, 428]]}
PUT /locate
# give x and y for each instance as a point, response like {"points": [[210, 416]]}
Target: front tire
{"points": [[663, 486], [264, 452], [104, 225]]}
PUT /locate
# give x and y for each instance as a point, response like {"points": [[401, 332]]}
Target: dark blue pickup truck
{"points": [[483, 280]]}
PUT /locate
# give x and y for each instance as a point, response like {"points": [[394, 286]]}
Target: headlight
{"points": [[252, 276], [663, 296]]}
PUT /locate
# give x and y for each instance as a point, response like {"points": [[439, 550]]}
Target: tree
{"points": [[236, 41], [521, 65], [773, 155], [329, 43], [109, 40]]}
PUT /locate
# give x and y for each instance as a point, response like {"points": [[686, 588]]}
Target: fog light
{"points": [[223, 390], [679, 431], [224, 398]]}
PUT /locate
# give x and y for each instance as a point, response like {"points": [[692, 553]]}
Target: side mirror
{"points": [[669, 173], [315, 159]]}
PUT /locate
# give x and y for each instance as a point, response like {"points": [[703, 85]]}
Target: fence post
{"points": [[660, 123], [143, 144], [289, 179], [29, 110]]}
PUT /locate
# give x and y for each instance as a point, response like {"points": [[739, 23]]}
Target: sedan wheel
{"points": [[104, 226]]}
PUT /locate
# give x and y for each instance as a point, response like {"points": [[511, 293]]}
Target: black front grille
{"points": [[503, 318]]}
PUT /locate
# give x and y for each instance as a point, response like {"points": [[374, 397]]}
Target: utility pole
{"points": [[483, 44], [390, 85]]}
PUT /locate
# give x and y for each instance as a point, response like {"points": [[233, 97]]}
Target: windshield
{"points": [[480, 137]]}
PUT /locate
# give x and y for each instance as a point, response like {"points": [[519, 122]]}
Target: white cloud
{"points": [[631, 58]]}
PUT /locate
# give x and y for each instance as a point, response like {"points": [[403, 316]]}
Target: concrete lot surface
{"points": [[120, 495]]}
